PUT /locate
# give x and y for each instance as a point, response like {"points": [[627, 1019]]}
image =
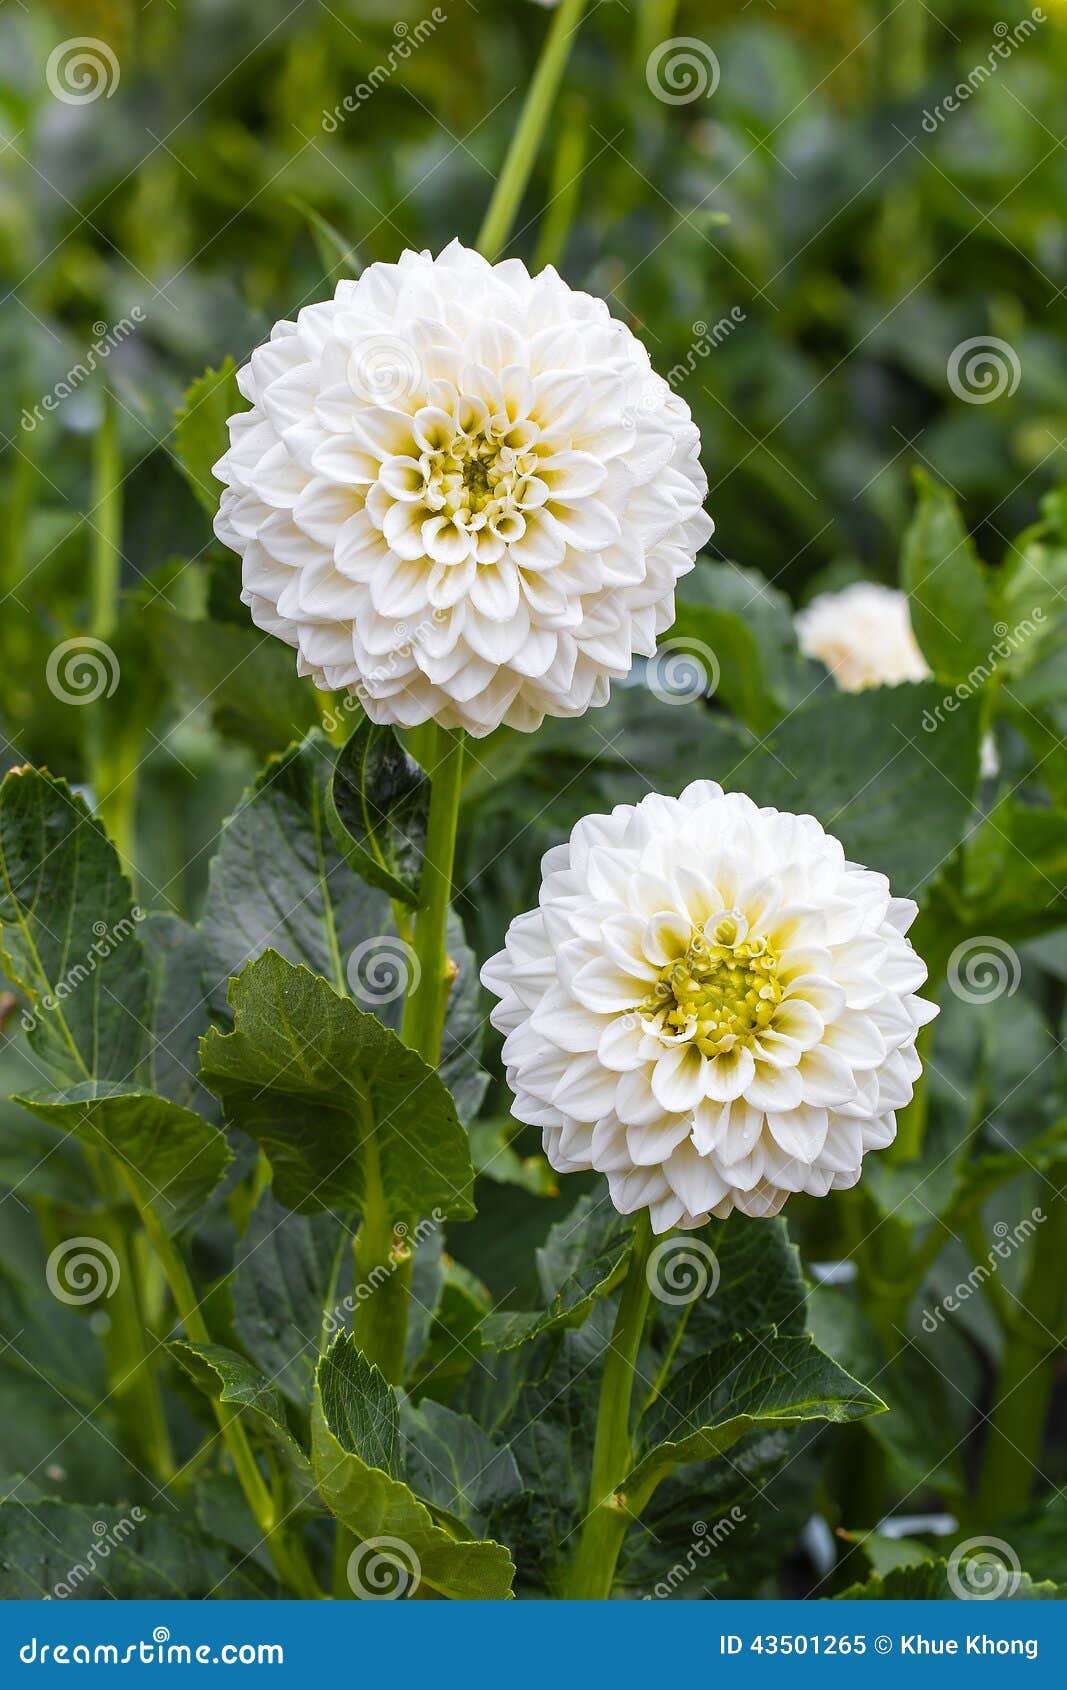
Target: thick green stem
{"points": [[133, 1387], [655, 23], [382, 1261], [563, 189], [1032, 1354], [431, 974], [106, 519], [609, 1514], [511, 183], [114, 751], [287, 1554]]}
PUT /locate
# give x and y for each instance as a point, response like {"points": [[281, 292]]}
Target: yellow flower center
{"points": [[724, 990], [480, 473]]}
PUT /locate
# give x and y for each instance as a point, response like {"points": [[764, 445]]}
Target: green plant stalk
{"points": [[425, 1004], [382, 1266], [132, 1381], [609, 1515], [1032, 1354], [655, 23], [565, 183], [287, 1553], [512, 180], [113, 758], [106, 551]]}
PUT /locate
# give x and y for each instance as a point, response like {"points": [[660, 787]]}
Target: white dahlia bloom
{"points": [[864, 636], [463, 491], [711, 1006]]}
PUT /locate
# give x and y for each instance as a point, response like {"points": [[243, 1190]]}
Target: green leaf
{"points": [[1015, 870], [946, 584], [225, 1376], [356, 1452], [897, 795], [454, 1342], [378, 805], [1033, 609], [930, 1582], [453, 1465], [582, 1260], [784, 675], [291, 1272], [735, 1278], [912, 1387], [246, 679], [316, 1081], [200, 433], [336, 254], [721, 644], [278, 882], [495, 1158], [717, 1399], [175, 1158], [68, 931], [178, 1012], [57, 1549]]}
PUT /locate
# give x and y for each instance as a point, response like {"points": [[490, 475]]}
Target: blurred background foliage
{"points": [[807, 247]]}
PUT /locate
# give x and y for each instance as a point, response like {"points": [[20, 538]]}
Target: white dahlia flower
{"points": [[463, 491], [864, 636], [711, 1006]]}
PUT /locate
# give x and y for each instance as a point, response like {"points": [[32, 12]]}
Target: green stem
{"points": [[1028, 1373], [609, 1515], [114, 755], [511, 183], [287, 1554], [655, 23], [133, 1387], [565, 184], [425, 1005], [382, 1263], [106, 551]]}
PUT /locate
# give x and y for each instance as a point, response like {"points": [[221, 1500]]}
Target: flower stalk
{"points": [[287, 1553], [425, 1005], [608, 1515], [513, 178], [1033, 1350]]}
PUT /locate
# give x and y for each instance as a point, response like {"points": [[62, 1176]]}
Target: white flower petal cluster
{"points": [[463, 491], [864, 636], [711, 1006]]}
